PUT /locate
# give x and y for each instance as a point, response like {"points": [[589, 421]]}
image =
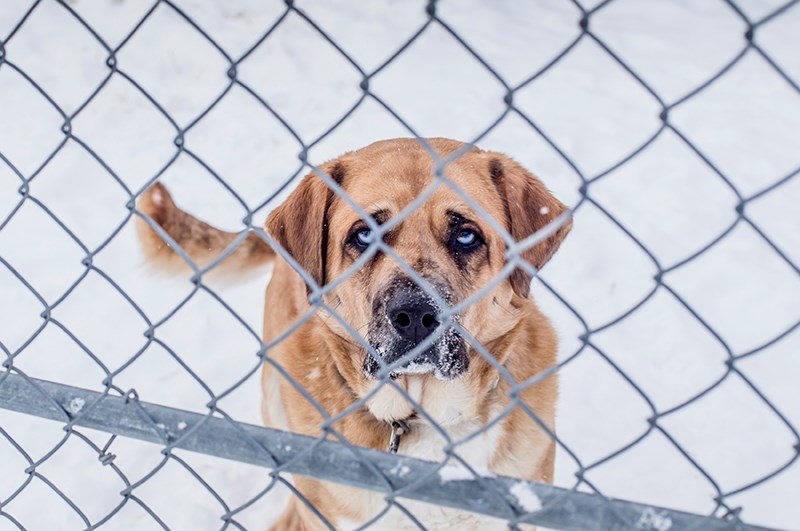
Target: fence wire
{"points": [[118, 410]]}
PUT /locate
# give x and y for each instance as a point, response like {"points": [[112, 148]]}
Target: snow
{"points": [[654, 520], [76, 405], [458, 472], [525, 496], [455, 472], [400, 470], [415, 367], [745, 124]]}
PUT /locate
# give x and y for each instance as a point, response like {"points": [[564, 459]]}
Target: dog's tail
{"points": [[199, 240]]}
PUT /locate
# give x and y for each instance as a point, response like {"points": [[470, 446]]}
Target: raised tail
{"points": [[202, 242]]}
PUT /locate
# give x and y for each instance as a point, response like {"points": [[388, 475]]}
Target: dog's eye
{"points": [[362, 238], [467, 238]]}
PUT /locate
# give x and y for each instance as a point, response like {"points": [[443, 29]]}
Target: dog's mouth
{"points": [[446, 358], [405, 318]]}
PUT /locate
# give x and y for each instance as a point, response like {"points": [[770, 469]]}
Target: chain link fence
{"points": [[114, 407]]}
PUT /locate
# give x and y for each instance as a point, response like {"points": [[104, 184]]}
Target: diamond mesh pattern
{"points": [[132, 65]]}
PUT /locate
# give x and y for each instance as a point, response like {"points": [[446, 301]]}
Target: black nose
{"points": [[412, 315]]}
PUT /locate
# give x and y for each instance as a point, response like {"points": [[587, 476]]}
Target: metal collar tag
{"points": [[399, 428]]}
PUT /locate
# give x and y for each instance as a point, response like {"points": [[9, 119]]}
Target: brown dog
{"points": [[447, 243]]}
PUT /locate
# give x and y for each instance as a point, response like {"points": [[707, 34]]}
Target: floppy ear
{"points": [[300, 224], [529, 207]]}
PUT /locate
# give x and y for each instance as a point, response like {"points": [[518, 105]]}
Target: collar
{"points": [[401, 427]]}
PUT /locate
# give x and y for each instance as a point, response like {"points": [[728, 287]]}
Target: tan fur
{"points": [[202, 242], [312, 225]]}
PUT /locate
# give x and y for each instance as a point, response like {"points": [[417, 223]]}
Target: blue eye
{"points": [[362, 238], [466, 237]]}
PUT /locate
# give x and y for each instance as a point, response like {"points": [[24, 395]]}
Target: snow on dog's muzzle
{"points": [[403, 317]]}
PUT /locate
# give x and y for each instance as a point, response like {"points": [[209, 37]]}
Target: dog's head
{"points": [[444, 241]]}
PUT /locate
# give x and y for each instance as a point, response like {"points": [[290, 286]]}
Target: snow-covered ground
{"points": [[746, 124]]}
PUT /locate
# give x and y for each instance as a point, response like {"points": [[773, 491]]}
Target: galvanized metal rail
{"points": [[174, 428]]}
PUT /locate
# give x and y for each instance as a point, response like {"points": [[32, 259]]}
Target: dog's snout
{"points": [[412, 316]]}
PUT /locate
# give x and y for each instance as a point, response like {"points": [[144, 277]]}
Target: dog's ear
{"points": [[300, 224], [529, 207]]}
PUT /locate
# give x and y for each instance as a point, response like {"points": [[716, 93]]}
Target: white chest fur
{"points": [[425, 442]]}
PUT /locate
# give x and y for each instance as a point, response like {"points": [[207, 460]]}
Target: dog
{"points": [[444, 241]]}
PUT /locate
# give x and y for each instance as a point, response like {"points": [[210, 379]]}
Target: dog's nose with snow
{"points": [[403, 317]]}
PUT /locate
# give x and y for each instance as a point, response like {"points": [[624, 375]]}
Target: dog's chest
{"points": [[424, 442], [432, 518]]}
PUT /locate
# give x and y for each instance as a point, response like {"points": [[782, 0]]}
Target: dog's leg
{"points": [[548, 464]]}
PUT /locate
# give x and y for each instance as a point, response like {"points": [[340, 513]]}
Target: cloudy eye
{"points": [[362, 238], [466, 237]]}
